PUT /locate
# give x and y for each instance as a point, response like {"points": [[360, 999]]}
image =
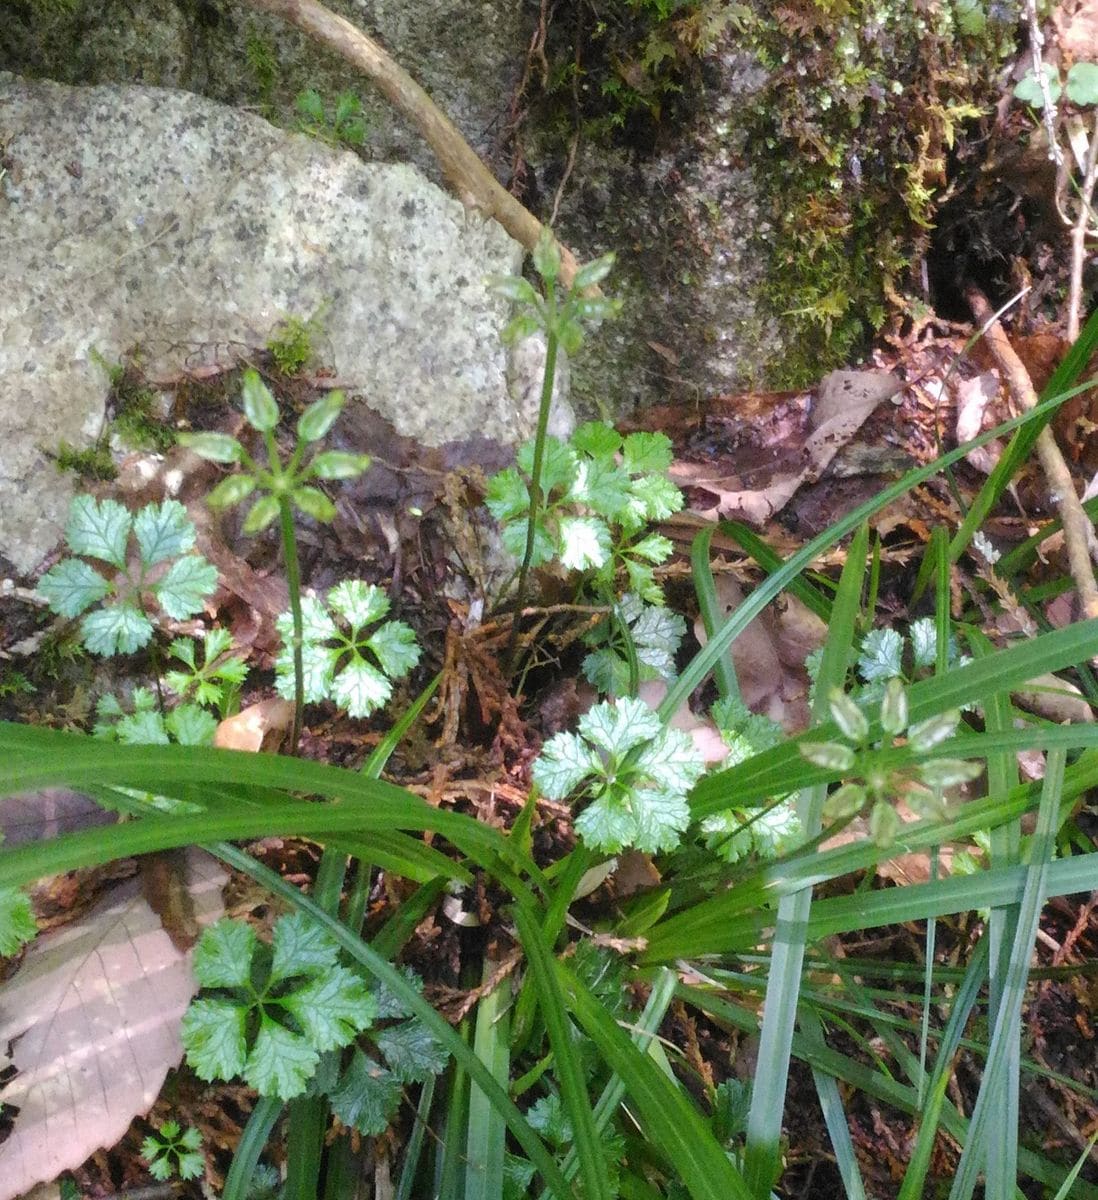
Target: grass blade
{"points": [[671, 1121], [1002, 1061], [569, 1072], [486, 1137], [762, 1155]]}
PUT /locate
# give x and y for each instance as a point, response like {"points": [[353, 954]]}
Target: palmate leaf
{"points": [[300, 947], [618, 728], [366, 1096], [117, 629], [190, 725], [671, 761], [72, 586], [223, 956], [99, 529], [599, 440], [396, 648], [185, 585], [162, 531], [331, 1008], [281, 1063], [213, 1037], [881, 655], [360, 688], [660, 815], [507, 495], [564, 762], [603, 486], [609, 822], [584, 543], [358, 603], [653, 498], [646, 453], [410, 1051]]}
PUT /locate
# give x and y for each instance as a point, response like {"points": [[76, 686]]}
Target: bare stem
{"points": [[535, 478], [293, 583], [1077, 527]]}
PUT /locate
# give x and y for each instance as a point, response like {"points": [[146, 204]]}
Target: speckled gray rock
{"points": [[152, 218]]}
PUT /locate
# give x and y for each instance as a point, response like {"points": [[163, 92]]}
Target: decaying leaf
{"points": [[92, 1019], [844, 401], [258, 727]]}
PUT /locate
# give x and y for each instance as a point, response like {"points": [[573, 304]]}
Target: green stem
{"points": [[293, 583], [535, 481]]}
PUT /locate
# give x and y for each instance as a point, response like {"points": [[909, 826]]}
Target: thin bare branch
{"points": [[1077, 527], [470, 179]]}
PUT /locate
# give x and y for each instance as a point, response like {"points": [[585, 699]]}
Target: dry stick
{"points": [[1077, 527], [472, 182], [1079, 233]]}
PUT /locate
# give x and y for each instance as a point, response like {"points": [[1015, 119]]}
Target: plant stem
{"points": [[535, 481], [293, 583]]}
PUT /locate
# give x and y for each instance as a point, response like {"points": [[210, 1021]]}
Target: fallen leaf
{"points": [[844, 401], [92, 1018], [258, 727], [974, 397]]}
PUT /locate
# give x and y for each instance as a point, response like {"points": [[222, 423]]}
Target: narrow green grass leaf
{"points": [[671, 1122], [709, 605], [486, 1136], [1002, 775], [719, 933], [762, 1155], [1001, 1059], [260, 1125], [770, 561], [931, 1101], [409, 1168], [569, 1072]]}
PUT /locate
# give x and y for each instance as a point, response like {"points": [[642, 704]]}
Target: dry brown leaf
{"points": [[844, 401], [258, 727], [1055, 698], [92, 1018], [974, 397]]}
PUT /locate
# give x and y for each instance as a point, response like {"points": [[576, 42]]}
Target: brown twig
{"points": [[472, 182], [1077, 527], [1079, 233]]}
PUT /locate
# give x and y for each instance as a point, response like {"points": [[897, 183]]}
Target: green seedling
{"points": [[146, 724], [283, 487], [353, 668], [274, 1009], [560, 315], [597, 494], [172, 1151], [633, 772], [874, 779], [162, 573], [345, 125], [217, 682]]}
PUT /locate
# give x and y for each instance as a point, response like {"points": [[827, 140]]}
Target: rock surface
{"points": [[683, 216], [140, 217]]}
